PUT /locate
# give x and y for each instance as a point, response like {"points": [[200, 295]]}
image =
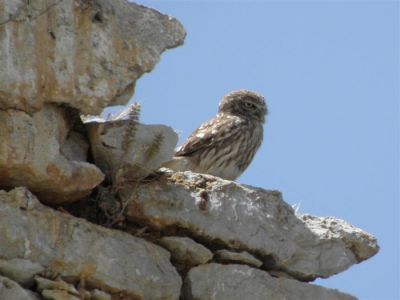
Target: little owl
{"points": [[225, 145]]}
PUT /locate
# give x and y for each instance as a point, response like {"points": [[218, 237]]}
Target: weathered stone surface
{"points": [[243, 257], [87, 54], [186, 251], [60, 290], [107, 137], [9, 289], [30, 156], [238, 282], [109, 260], [75, 147], [99, 295], [56, 289], [47, 284], [251, 219], [20, 270], [58, 295]]}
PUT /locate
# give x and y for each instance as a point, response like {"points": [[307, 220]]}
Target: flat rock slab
{"points": [[252, 219], [110, 260], [20, 270], [9, 289], [225, 256], [150, 146], [31, 155], [186, 251], [238, 282], [58, 295], [87, 54]]}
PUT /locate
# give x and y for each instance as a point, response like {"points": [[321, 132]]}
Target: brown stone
{"points": [[87, 54]]}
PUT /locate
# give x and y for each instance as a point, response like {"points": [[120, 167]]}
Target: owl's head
{"points": [[244, 103]]}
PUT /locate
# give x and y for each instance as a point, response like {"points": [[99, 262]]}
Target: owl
{"points": [[225, 145]]}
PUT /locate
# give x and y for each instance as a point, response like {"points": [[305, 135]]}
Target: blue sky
{"points": [[330, 73]]}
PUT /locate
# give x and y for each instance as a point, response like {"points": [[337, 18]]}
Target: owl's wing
{"points": [[208, 134]]}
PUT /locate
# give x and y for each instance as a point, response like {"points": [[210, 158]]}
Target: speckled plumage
{"points": [[225, 145]]}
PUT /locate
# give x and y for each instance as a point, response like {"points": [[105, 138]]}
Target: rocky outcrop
{"points": [[86, 54], [51, 254], [148, 233], [238, 217], [58, 55], [31, 155], [76, 250], [235, 282]]}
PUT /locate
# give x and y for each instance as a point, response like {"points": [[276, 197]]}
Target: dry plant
{"points": [[124, 174]]}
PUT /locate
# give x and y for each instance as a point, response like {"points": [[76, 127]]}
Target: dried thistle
{"points": [[155, 146], [131, 128]]}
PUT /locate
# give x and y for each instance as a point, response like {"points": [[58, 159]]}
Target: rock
{"points": [[225, 256], [109, 260], [75, 147], [33, 295], [245, 218], [185, 251], [138, 161], [47, 284], [30, 156], [237, 282], [56, 289], [99, 295], [86, 54], [20, 270], [9, 289], [58, 295], [280, 274]]}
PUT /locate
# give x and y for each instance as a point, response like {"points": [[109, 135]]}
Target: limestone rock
{"points": [[87, 54], [243, 257], [99, 295], [186, 251], [58, 295], [9, 289], [109, 260], [251, 219], [20, 270], [238, 282], [30, 155], [47, 284], [107, 137], [75, 147], [56, 289]]}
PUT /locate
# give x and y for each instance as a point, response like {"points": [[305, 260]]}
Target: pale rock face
{"points": [[20, 270], [238, 282], [9, 289], [81, 54], [87, 54], [185, 251], [31, 156], [107, 136], [250, 219], [112, 261]]}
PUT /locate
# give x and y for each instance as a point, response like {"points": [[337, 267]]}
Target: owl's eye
{"points": [[250, 105]]}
